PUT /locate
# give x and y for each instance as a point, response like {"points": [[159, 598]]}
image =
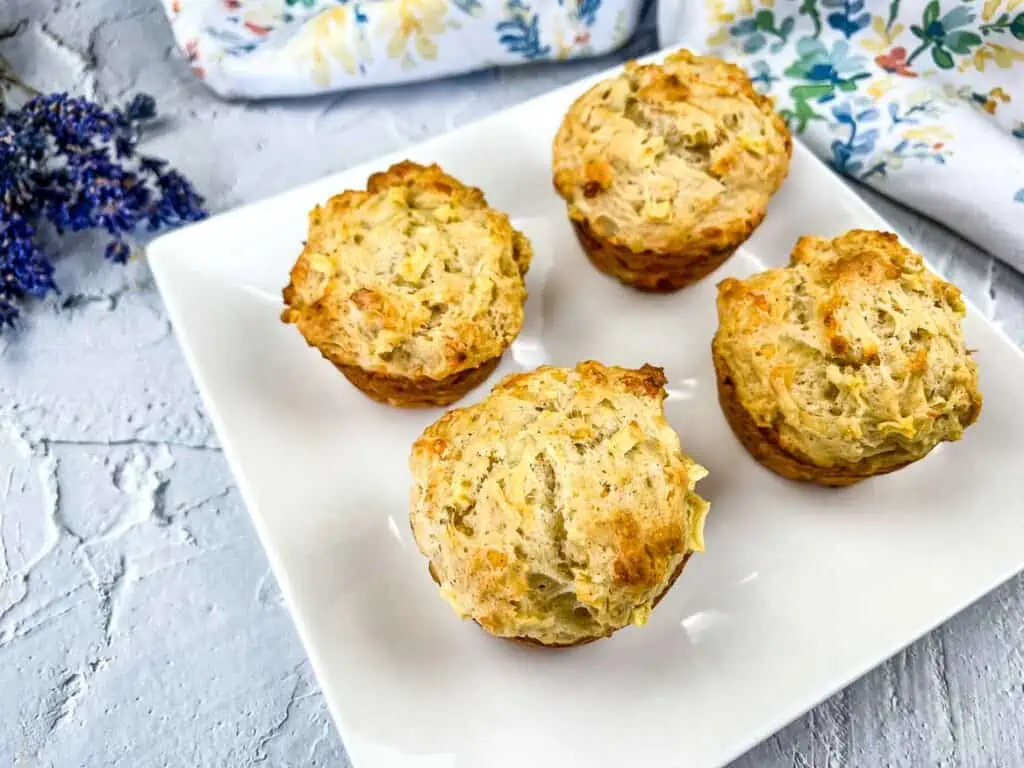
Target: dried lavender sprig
{"points": [[73, 163]]}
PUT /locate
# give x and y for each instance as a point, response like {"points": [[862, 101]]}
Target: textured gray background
{"points": [[139, 624]]}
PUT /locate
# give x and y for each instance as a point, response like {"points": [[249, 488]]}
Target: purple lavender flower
{"points": [[24, 268], [74, 164]]}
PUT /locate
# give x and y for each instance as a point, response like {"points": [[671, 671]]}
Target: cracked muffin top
{"points": [[671, 156], [854, 352], [415, 277], [560, 507]]}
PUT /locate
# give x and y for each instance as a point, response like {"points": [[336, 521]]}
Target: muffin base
{"points": [[650, 270], [420, 392], [763, 444], [534, 643]]}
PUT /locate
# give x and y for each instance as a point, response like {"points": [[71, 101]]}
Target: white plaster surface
{"points": [[139, 624]]}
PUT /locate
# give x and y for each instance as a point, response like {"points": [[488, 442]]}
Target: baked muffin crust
{"points": [[415, 279], [679, 158], [561, 507], [849, 362]]}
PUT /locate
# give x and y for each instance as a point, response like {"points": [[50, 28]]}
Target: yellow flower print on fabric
{"points": [[330, 36], [885, 37], [993, 99], [416, 22], [933, 133], [720, 18], [1001, 55], [562, 44], [717, 11], [991, 7], [880, 87], [746, 7]]}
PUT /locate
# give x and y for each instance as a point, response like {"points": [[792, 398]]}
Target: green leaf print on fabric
{"points": [[894, 12], [1017, 26], [802, 112], [759, 28], [828, 72], [943, 35], [810, 8]]}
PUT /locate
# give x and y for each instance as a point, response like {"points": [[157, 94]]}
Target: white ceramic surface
{"points": [[800, 590]]}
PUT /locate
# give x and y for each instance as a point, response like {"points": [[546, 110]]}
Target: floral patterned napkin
{"points": [[921, 99], [260, 48]]}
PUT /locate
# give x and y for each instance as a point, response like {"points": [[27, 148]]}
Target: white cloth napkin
{"points": [[261, 48], [923, 100]]}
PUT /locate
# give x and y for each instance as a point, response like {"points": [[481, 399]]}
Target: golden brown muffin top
{"points": [[667, 156], [851, 352], [414, 277], [560, 506]]}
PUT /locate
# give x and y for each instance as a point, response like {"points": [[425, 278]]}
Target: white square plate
{"points": [[800, 591]]}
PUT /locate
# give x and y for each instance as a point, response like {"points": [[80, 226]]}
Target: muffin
{"points": [[413, 288], [560, 508], [848, 363], [667, 169]]}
